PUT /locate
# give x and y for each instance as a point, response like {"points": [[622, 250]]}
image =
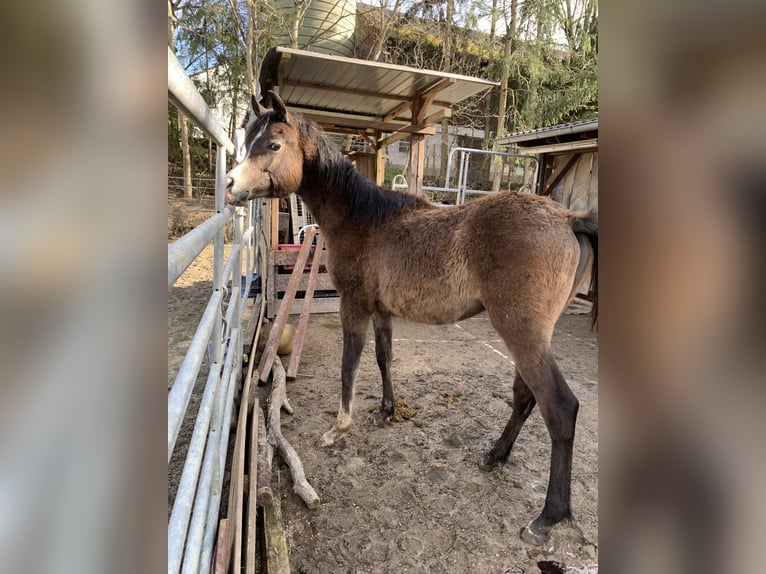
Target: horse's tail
{"points": [[586, 223]]}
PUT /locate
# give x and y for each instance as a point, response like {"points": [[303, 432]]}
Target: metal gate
{"points": [[194, 516]]}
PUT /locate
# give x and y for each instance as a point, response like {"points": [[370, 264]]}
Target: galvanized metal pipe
{"points": [[183, 93], [215, 500], [178, 397], [210, 468], [220, 174], [186, 249], [182, 506], [235, 252]]}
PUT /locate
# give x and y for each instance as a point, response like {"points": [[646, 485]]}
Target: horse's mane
{"points": [[367, 201]]}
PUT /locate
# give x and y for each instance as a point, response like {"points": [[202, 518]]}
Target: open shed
{"points": [[382, 102], [568, 156]]}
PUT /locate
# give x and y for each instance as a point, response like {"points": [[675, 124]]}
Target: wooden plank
{"points": [[221, 548], [323, 282], [236, 489], [283, 257], [277, 556], [559, 172], [284, 308], [249, 342], [303, 322], [252, 499], [253, 347], [323, 305]]}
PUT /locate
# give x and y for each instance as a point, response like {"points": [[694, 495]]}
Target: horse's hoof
{"points": [[535, 533], [328, 438], [488, 463], [381, 419]]}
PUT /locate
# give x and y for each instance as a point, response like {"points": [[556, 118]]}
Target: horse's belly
{"points": [[435, 306]]}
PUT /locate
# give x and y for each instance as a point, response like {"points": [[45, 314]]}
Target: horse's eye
{"points": [[274, 146]]}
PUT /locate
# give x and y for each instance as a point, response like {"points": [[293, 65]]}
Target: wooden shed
{"points": [[568, 156]]}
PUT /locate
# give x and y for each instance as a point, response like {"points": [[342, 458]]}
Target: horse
{"points": [[521, 257]]}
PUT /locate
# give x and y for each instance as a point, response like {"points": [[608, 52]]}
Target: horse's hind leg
{"points": [[523, 403], [558, 407], [355, 323], [382, 324]]}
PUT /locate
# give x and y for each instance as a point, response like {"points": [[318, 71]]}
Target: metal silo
{"points": [[327, 26]]}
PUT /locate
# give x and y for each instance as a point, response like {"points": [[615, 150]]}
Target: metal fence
{"points": [[462, 189], [194, 517]]}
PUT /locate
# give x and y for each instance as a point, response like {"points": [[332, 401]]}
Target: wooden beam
{"points": [[351, 91], [559, 172], [440, 86], [404, 133], [397, 110], [331, 123], [583, 145], [436, 117]]}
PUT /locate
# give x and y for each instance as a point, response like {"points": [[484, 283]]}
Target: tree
{"points": [[182, 121], [510, 34]]}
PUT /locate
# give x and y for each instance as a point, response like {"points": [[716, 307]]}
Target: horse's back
{"points": [[440, 265]]}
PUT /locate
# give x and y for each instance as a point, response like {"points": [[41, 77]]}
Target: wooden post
{"points": [[417, 150], [274, 222], [380, 161]]}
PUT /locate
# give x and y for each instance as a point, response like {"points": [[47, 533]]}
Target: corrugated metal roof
{"points": [[550, 132], [354, 93]]}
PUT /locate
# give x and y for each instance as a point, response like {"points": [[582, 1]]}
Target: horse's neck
{"points": [[325, 197]]}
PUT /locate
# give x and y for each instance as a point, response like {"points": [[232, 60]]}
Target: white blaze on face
{"points": [[258, 136], [239, 144]]}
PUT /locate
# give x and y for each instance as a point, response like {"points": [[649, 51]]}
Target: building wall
{"points": [[578, 188]]}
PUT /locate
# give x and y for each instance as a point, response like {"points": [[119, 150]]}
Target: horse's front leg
{"points": [[355, 322], [382, 324]]}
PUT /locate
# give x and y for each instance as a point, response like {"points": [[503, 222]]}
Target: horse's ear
{"points": [[258, 109], [278, 105]]}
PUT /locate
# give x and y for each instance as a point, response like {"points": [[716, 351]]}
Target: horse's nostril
{"points": [[229, 182]]}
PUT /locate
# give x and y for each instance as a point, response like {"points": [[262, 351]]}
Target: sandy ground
{"points": [[410, 497]]}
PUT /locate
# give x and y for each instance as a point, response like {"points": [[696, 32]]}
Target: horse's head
{"points": [[273, 162]]}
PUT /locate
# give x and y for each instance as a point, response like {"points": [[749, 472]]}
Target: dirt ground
{"points": [[410, 497]]}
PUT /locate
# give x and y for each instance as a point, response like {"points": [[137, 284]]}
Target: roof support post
{"points": [[417, 148]]}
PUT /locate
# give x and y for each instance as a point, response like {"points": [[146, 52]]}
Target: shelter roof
{"points": [[353, 94], [580, 135]]}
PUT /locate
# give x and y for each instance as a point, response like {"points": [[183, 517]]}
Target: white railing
{"points": [[194, 517]]}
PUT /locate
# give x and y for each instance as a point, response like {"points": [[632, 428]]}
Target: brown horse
{"points": [[520, 257]]}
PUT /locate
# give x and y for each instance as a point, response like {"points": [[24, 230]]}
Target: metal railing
{"points": [[461, 190], [194, 517]]}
